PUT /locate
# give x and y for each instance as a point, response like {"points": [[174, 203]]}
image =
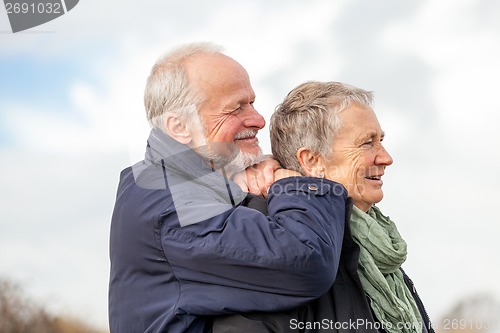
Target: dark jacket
{"points": [[184, 247], [344, 308]]}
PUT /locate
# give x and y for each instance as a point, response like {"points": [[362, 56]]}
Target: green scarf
{"points": [[382, 252]]}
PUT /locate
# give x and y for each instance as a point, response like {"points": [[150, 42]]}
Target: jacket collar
{"points": [[176, 158]]}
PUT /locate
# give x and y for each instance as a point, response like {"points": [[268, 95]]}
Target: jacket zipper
{"points": [[421, 305]]}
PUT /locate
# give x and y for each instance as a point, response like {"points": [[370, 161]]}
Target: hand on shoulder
{"points": [[257, 178]]}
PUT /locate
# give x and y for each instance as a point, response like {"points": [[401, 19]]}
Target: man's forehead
{"points": [[211, 64]]}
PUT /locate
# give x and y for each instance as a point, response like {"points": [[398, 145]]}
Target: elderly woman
{"points": [[329, 130]]}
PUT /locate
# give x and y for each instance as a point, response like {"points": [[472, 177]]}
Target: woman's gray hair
{"points": [[168, 89], [309, 117]]}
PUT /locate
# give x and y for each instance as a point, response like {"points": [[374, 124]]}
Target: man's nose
{"points": [[254, 119]]}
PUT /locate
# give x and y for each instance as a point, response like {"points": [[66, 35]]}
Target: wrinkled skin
{"points": [[358, 158]]}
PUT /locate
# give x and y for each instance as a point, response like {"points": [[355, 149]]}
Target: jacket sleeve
{"points": [[242, 260]]}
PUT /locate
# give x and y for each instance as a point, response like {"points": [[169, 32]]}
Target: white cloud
{"points": [[55, 224], [462, 49]]}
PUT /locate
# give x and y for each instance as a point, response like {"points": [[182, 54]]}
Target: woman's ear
{"points": [[311, 162], [177, 129]]}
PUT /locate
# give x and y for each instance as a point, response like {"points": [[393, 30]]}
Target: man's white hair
{"points": [[168, 89]]}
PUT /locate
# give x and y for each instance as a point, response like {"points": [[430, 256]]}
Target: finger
{"points": [[252, 181], [284, 173], [268, 173], [241, 179]]}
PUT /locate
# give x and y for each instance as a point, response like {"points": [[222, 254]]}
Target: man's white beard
{"points": [[242, 161], [233, 160], [232, 164]]}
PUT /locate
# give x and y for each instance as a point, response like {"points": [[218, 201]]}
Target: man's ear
{"points": [[177, 129], [311, 162]]}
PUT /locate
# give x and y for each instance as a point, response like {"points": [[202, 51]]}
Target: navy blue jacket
{"points": [[184, 246], [343, 309]]}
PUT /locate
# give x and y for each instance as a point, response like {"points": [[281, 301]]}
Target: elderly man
{"points": [[186, 243]]}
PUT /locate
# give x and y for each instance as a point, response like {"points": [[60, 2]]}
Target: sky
{"points": [[72, 117]]}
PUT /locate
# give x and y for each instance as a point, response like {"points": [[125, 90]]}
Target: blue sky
{"points": [[71, 117]]}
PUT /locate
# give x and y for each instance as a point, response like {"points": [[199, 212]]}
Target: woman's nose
{"points": [[383, 157]]}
